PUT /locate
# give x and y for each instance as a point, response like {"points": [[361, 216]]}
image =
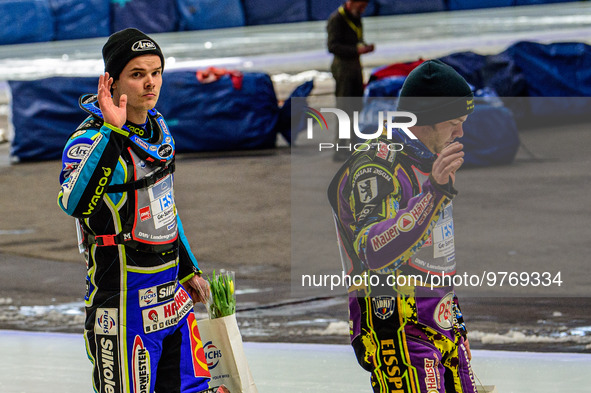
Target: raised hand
{"points": [[113, 114], [447, 163]]}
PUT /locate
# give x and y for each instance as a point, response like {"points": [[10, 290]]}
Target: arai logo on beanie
{"points": [[142, 45]]}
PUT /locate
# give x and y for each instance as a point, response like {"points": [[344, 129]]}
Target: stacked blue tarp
{"points": [[389, 7], [232, 113], [45, 113], [558, 76], [498, 72], [554, 70], [547, 75], [490, 132], [321, 9], [454, 5], [77, 20], [536, 2], [220, 115], [210, 14], [25, 21], [146, 15], [264, 12]]}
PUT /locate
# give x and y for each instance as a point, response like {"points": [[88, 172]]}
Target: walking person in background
{"points": [[393, 212], [346, 43], [117, 181]]}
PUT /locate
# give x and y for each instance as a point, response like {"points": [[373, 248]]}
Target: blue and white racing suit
{"points": [[140, 329]]}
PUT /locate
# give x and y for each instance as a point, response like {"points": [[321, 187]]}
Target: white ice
{"points": [[55, 362]]}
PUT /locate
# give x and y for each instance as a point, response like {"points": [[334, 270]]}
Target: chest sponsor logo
{"points": [[141, 143], [167, 314], [367, 209], [405, 222], [156, 294], [165, 150], [383, 306], [136, 130], [384, 238], [90, 98], [145, 213], [141, 367], [367, 189], [78, 133], [382, 151], [106, 321], [442, 315], [77, 152], [443, 235], [163, 126]]}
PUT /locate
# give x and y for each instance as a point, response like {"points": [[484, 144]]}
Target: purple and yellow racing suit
{"points": [[395, 230], [140, 330]]}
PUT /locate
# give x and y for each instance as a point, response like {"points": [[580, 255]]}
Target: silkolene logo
{"points": [[344, 127]]}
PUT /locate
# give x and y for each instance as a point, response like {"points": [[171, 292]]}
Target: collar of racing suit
{"points": [[414, 149]]}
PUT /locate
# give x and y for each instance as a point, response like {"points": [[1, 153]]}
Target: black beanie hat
{"points": [[444, 94], [125, 45]]}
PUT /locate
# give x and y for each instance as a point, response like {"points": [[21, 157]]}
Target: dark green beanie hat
{"points": [[442, 94]]}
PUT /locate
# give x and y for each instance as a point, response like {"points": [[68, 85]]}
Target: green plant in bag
{"points": [[223, 299]]}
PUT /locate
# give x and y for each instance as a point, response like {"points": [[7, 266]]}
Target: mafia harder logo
{"points": [[387, 121]]}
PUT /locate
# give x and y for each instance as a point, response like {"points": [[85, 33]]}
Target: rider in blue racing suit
{"points": [[117, 181]]}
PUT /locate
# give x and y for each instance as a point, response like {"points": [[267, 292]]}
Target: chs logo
{"points": [[212, 354], [389, 120]]}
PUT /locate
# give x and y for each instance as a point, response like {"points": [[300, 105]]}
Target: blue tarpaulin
{"points": [[218, 116], [76, 20], [292, 114], [24, 21], [44, 114], [534, 2], [146, 15], [321, 9], [209, 14], [454, 5], [555, 73], [553, 70], [389, 7], [490, 134], [263, 12], [498, 72], [386, 87]]}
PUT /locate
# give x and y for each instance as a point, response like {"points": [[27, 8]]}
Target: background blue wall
{"points": [[25, 21]]}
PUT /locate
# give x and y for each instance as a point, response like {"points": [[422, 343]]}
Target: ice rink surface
{"points": [[51, 362], [55, 362]]}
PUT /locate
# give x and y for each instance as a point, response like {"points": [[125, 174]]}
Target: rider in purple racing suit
{"points": [[393, 212], [117, 181]]}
